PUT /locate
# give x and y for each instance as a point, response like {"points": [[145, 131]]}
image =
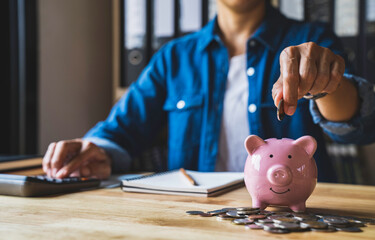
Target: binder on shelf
{"points": [[164, 20], [369, 41], [293, 9], [346, 27], [191, 16], [319, 11], [134, 39]]}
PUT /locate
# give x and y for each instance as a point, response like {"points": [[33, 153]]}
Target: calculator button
{"points": [[56, 180], [75, 179], [40, 177]]}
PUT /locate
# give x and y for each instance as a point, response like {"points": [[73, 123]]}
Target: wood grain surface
{"points": [[113, 214]]}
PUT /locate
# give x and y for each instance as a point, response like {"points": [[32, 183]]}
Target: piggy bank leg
{"points": [[259, 204], [299, 207]]}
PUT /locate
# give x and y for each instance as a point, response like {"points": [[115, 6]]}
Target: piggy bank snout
{"points": [[279, 175]]}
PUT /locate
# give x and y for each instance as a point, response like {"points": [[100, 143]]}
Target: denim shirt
{"points": [[183, 88]]}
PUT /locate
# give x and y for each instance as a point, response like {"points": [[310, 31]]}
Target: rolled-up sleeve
{"points": [[361, 128], [136, 119]]}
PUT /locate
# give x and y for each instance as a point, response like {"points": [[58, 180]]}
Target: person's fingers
{"points": [[277, 91], [74, 164], [324, 70], [99, 169], [47, 158], [337, 72], [307, 72], [289, 63], [86, 171], [63, 151], [75, 173], [90, 152]]}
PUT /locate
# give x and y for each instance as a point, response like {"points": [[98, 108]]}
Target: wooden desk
{"points": [[111, 213]]}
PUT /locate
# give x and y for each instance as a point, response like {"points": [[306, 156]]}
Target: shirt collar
{"points": [[268, 33], [209, 34]]}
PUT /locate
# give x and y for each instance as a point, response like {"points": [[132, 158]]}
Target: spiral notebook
{"points": [[174, 183]]}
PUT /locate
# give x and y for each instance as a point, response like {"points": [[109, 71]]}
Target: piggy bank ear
{"points": [[252, 142], [308, 143]]}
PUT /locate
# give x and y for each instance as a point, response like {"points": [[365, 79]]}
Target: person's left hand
{"points": [[306, 68]]}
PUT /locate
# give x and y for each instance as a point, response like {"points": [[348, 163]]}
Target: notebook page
{"points": [[175, 181]]}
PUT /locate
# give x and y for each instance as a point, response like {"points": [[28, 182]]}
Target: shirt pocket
{"points": [[184, 120]]}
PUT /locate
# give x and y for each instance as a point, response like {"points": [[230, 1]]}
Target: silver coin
{"points": [[264, 223], [350, 229], [357, 224], [304, 216], [257, 216], [272, 227], [345, 225], [328, 229], [253, 227], [285, 220], [268, 225], [323, 215], [285, 214], [337, 221], [193, 212], [265, 212], [265, 220], [247, 212], [217, 212], [234, 214], [290, 226], [242, 221], [229, 209], [278, 230], [276, 216], [247, 209], [280, 110], [313, 224]]}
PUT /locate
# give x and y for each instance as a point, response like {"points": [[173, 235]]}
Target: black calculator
{"points": [[33, 186]]}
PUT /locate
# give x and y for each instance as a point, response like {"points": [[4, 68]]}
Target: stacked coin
{"points": [[286, 222]]}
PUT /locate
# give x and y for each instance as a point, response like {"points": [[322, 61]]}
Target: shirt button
{"points": [[252, 108], [250, 71], [252, 43], [180, 104]]}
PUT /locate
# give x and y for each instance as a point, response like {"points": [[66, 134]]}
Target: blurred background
{"points": [[65, 63]]}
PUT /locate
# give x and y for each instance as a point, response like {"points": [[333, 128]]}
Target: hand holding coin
{"points": [[306, 69]]}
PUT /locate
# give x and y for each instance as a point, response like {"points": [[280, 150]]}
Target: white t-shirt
{"points": [[234, 125]]}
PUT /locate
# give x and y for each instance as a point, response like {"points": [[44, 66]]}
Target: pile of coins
{"points": [[286, 222]]}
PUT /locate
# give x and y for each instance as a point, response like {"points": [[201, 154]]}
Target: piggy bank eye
{"points": [[271, 156], [289, 156]]}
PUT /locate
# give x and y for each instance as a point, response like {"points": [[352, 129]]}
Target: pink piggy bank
{"points": [[280, 171]]}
